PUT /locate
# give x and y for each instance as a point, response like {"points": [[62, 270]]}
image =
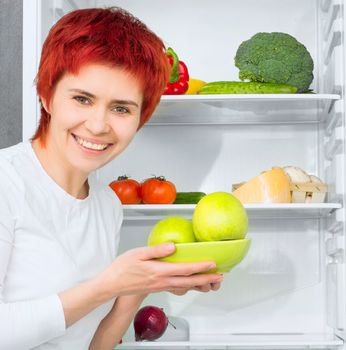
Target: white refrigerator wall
{"points": [[213, 157], [206, 34], [292, 280]]}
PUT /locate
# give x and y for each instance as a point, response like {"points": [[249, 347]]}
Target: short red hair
{"points": [[109, 36]]}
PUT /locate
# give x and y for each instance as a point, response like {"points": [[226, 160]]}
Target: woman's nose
{"points": [[97, 123]]}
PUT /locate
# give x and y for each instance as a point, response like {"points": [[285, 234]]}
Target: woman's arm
{"points": [[115, 324]]}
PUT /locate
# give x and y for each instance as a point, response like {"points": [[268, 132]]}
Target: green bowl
{"points": [[226, 254]]}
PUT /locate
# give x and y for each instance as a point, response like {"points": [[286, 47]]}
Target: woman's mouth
{"points": [[90, 145]]}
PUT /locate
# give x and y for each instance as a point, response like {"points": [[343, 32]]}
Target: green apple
{"points": [[172, 229], [219, 216]]}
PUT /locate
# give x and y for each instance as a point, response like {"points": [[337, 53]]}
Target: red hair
{"points": [[110, 36]]}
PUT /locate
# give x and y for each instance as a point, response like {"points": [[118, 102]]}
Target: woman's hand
{"points": [[137, 272]]}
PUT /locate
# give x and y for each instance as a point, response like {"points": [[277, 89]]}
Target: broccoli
{"points": [[275, 58]]}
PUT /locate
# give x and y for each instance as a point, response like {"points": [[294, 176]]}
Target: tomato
{"points": [[128, 190], [157, 190]]}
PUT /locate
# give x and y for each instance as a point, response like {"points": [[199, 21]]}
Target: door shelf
{"points": [[248, 341], [255, 211], [242, 109]]}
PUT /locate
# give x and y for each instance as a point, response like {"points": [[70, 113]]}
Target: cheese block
{"points": [[270, 186]]}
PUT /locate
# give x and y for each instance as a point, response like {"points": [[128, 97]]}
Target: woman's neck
{"points": [[73, 182]]}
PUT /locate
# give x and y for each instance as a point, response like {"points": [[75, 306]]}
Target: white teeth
{"points": [[90, 145]]}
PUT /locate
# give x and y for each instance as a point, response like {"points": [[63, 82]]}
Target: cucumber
{"points": [[238, 87], [188, 197]]}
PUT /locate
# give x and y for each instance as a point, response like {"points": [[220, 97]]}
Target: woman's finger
{"points": [[178, 291], [205, 289], [154, 252], [190, 282], [182, 269], [215, 286]]}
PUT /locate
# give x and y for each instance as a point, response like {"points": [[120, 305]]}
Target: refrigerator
{"points": [[289, 291]]}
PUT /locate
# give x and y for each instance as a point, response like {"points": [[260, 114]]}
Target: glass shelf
{"points": [[242, 109], [256, 211], [248, 341]]}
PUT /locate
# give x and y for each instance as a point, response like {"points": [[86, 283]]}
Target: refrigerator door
{"points": [[332, 157]]}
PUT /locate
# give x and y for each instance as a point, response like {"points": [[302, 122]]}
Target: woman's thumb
{"points": [[157, 251]]}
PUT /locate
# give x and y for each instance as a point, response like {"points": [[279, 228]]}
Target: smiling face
{"points": [[94, 116]]}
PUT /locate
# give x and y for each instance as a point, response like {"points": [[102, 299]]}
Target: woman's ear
{"points": [[44, 104]]}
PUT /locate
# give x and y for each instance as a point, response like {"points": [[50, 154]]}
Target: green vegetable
{"points": [[188, 197], [275, 58], [238, 87]]}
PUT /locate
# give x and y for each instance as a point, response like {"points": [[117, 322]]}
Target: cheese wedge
{"points": [[270, 186]]}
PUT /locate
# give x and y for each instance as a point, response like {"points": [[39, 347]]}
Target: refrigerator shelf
{"points": [[242, 109], [256, 211], [249, 97], [248, 341]]}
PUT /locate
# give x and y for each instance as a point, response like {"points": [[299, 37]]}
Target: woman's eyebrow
{"points": [[86, 93], [123, 102]]}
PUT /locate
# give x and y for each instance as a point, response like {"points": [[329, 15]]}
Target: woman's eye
{"points": [[120, 109], [83, 100]]}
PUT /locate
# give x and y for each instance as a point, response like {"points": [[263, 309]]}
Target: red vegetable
{"points": [[128, 190], [150, 323], [179, 80], [157, 190]]}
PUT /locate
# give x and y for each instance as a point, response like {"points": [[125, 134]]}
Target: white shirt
{"points": [[49, 242]]}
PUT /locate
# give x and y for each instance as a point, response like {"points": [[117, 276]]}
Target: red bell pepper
{"points": [[179, 80]]}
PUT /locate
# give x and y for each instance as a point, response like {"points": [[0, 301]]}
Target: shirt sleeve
{"points": [[23, 324], [27, 324]]}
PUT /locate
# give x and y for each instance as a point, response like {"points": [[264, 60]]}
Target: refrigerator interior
{"points": [[289, 291]]}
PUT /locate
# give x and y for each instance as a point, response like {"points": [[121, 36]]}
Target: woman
{"points": [[61, 286]]}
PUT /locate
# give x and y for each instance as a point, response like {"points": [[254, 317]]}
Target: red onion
{"points": [[150, 323]]}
